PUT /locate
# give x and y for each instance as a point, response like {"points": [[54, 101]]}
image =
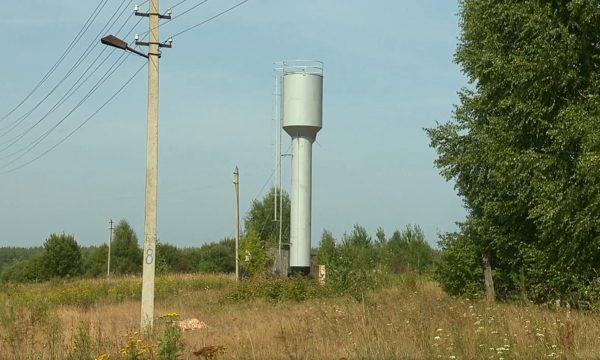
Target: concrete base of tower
{"points": [[300, 270]]}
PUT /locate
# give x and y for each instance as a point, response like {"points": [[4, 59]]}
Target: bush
{"points": [[25, 271], [459, 269], [295, 288], [62, 256]]}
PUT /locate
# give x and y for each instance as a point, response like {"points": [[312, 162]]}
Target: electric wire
{"points": [[203, 22], [91, 47], [28, 148], [41, 138], [176, 16], [34, 143], [179, 3], [53, 68], [78, 127], [190, 9], [211, 18], [76, 86]]}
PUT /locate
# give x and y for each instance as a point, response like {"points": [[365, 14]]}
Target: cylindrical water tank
{"points": [[302, 119], [302, 103]]}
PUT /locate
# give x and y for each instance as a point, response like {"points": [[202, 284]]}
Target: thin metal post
{"points": [[236, 182], [279, 157], [275, 180], [110, 236]]}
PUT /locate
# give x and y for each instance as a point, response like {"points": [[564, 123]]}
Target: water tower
{"points": [[302, 119]]}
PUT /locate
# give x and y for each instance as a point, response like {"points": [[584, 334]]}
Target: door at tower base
{"points": [[300, 270]]}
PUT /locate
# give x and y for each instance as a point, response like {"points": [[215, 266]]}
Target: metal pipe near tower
{"points": [[302, 120]]}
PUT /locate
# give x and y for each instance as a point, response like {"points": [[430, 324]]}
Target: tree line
{"points": [[62, 257]]}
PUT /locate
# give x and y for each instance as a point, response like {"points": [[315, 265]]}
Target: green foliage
{"points": [[136, 348], [188, 263], [87, 292], [18, 320], [82, 343], [522, 147], [126, 254], [62, 256], [167, 257], [326, 252], [351, 265], [95, 260], [358, 248], [29, 270], [10, 254], [409, 251], [360, 263], [254, 256], [217, 257], [346, 276], [260, 218], [275, 290], [459, 269], [171, 344]]}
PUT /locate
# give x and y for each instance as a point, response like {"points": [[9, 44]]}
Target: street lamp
{"points": [[114, 41]]}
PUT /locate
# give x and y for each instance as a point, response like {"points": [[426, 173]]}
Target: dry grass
{"points": [[413, 322]]}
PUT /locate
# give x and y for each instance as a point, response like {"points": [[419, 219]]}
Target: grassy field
{"points": [[411, 320]]}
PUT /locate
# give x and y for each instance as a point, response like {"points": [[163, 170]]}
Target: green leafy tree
{"points": [[351, 266], [217, 257], [326, 253], [126, 254], [254, 256], [522, 146], [167, 257], [95, 260], [62, 256], [25, 271], [408, 250], [459, 270], [188, 263], [9, 254], [260, 218], [359, 247]]}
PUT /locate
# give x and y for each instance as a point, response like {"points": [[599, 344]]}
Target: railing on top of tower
{"points": [[312, 67]]}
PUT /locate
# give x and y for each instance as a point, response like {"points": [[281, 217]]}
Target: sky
{"points": [[388, 74]]}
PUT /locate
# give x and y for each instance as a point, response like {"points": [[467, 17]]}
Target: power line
{"points": [[188, 10], [28, 148], [179, 15], [179, 3], [78, 127], [37, 141], [70, 47], [76, 86], [211, 18], [32, 145], [91, 47], [71, 91], [203, 22]]}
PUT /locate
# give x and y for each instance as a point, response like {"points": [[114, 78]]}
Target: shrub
{"points": [[172, 344]]}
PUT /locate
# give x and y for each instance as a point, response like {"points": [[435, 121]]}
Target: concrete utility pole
{"points": [[149, 256], [147, 315], [110, 236], [236, 182]]}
